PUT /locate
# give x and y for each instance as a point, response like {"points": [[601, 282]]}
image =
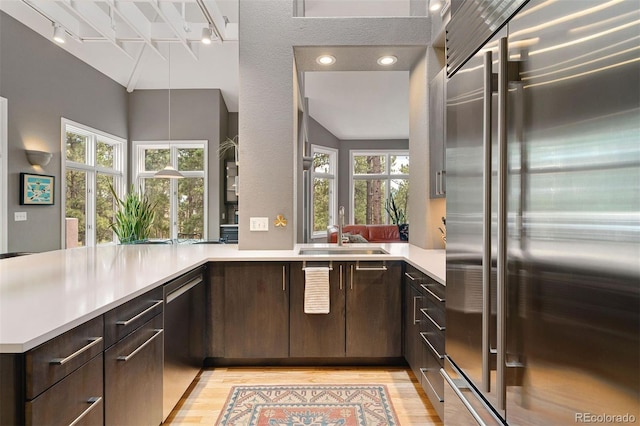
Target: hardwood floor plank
{"points": [[202, 403]]}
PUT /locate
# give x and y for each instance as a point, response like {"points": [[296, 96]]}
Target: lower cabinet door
{"points": [[317, 335], [76, 399], [133, 377]]}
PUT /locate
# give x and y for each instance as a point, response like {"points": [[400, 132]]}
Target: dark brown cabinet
{"points": [[57, 382], [133, 377], [76, 399], [412, 303], [424, 322], [318, 335], [133, 361], [374, 309], [365, 315], [256, 309]]}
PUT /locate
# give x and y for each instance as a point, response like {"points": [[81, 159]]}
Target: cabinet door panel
{"points": [[133, 387], [374, 310], [256, 306], [317, 335], [412, 341]]}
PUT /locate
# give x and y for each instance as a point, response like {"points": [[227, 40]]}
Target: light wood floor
{"points": [[202, 403]]}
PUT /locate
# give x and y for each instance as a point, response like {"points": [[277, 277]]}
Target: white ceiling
{"points": [[134, 41]]}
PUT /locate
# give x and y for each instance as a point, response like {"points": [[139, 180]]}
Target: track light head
{"points": [[207, 35], [59, 34]]}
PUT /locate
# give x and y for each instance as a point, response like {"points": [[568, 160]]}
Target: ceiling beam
{"points": [[93, 16], [60, 16], [134, 18], [174, 19]]}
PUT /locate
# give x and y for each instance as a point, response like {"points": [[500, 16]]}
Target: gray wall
{"points": [[42, 84], [195, 114], [268, 107]]}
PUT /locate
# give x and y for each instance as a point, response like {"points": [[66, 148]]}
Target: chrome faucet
{"points": [[340, 223]]}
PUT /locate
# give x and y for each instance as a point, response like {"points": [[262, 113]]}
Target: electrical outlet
{"points": [[258, 224], [19, 216]]}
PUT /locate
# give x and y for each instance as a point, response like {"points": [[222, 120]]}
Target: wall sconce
{"points": [[38, 158]]}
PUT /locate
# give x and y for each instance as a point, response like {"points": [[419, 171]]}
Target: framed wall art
{"points": [[36, 190]]}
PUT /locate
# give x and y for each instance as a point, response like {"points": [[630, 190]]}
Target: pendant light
{"points": [[169, 171]]}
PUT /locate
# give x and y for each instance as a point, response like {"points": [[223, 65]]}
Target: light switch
{"points": [[258, 224], [20, 216]]}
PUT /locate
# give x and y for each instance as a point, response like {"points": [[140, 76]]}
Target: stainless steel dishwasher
{"points": [[184, 310]]}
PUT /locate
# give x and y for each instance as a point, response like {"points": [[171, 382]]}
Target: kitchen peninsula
{"points": [[46, 295]]}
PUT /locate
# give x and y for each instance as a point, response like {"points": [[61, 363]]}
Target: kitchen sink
{"points": [[341, 251]]}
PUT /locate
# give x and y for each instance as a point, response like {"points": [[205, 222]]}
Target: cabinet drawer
{"points": [[126, 318], [133, 377], [52, 361], [78, 397], [431, 380]]}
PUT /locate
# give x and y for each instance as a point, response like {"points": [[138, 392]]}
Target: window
{"points": [[94, 162], [324, 194], [375, 176], [181, 210]]}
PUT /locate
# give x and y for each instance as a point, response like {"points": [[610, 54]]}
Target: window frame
{"points": [[333, 187], [118, 171], [139, 174], [386, 176]]}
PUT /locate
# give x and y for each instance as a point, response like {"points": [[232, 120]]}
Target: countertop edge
{"points": [[410, 254]]}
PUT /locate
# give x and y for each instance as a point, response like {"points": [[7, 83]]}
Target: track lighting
{"points": [[435, 5], [207, 35], [59, 34]]}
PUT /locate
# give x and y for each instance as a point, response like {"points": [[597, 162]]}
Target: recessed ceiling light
{"points": [[435, 5], [387, 60], [325, 60]]}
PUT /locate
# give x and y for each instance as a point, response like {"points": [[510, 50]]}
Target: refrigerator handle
{"points": [[486, 223], [502, 224]]}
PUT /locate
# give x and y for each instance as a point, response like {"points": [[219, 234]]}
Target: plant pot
{"points": [[403, 229]]}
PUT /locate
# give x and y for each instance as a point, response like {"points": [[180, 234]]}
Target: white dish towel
{"points": [[316, 290]]}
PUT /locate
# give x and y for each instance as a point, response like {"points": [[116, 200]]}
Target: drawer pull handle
{"points": [[132, 354], [408, 275], [438, 326], [415, 302], [150, 308], [422, 370], [425, 288], [94, 401], [372, 268], [424, 337], [92, 342], [182, 290]]}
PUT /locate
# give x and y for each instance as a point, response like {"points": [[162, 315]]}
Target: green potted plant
{"points": [[398, 217], [135, 215]]}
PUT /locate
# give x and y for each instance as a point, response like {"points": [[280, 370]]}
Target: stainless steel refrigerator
{"points": [[543, 213]]}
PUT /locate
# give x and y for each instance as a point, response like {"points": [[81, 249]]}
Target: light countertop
{"points": [[43, 295]]}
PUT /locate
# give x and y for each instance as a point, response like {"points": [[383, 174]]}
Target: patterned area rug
{"points": [[362, 405]]}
